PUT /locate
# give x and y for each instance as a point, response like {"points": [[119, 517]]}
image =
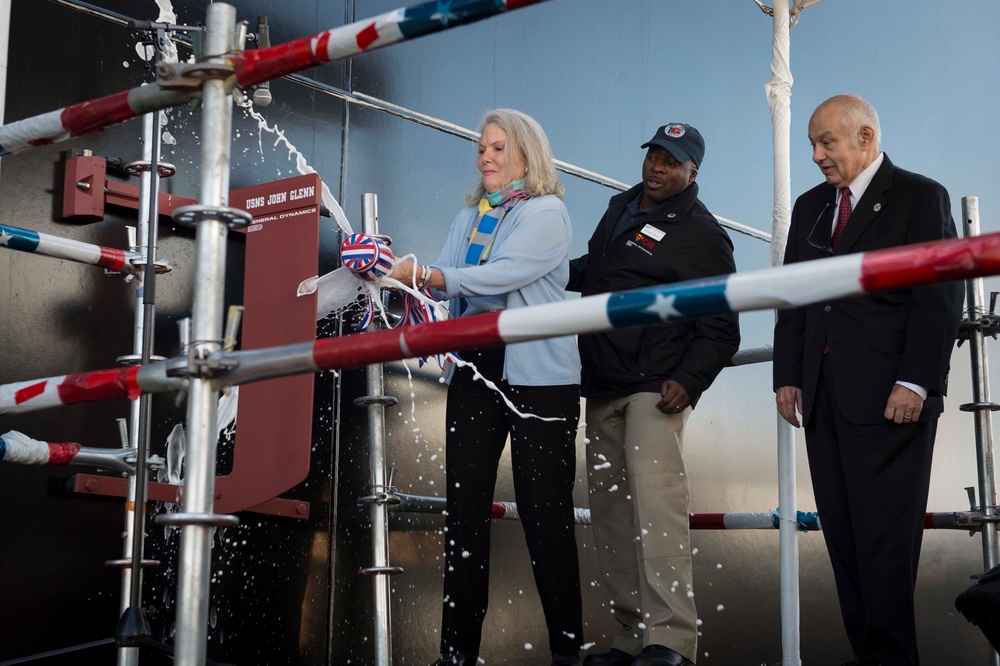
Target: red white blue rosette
{"points": [[367, 257], [370, 259]]}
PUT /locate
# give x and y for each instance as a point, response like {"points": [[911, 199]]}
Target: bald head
{"points": [[855, 112], [844, 134]]}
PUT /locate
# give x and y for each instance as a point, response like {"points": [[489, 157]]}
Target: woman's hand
{"points": [[404, 272], [414, 275]]}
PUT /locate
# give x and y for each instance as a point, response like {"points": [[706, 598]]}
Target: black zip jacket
{"points": [[691, 352]]}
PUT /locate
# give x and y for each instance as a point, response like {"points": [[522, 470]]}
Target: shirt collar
{"points": [[863, 180], [680, 198], [633, 206]]}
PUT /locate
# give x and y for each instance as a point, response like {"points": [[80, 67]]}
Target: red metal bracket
{"points": [[86, 191], [83, 188], [273, 444]]}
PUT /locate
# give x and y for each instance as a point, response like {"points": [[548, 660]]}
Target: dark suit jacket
{"points": [[879, 339]]}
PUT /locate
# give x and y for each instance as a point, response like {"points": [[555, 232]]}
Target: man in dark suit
{"points": [[868, 376]]}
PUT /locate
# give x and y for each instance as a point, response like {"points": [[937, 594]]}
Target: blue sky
{"points": [[929, 68], [931, 74]]}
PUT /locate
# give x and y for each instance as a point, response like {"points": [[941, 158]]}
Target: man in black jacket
{"points": [[641, 385], [868, 375]]}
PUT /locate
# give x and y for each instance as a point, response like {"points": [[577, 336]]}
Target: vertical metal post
{"points": [[779, 94], [381, 491], [206, 334], [4, 43], [981, 405], [139, 412]]}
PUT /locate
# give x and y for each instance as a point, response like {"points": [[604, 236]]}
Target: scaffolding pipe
{"points": [[129, 656], [806, 521], [981, 391], [779, 91], [380, 492], [16, 447], [4, 44], [48, 245], [981, 405], [751, 355], [140, 413], [206, 331]]}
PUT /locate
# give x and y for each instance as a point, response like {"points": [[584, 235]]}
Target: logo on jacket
{"points": [[641, 242]]}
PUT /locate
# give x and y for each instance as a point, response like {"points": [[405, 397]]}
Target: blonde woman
{"points": [[509, 248]]}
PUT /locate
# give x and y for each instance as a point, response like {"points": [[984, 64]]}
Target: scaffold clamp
{"points": [[207, 366], [190, 216], [388, 497], [190, 76], [199, 519], [163, 169]]}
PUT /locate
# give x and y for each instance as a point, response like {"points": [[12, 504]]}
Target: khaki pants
{"points": [[639, 509]]}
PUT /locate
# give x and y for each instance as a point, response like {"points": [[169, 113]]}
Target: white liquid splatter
{"points": [[176, 445], [492, 386], [145, 51], [300, 165], [167, 15]]}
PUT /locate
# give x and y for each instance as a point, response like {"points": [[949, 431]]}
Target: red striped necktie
{"points": [[843, 212]]}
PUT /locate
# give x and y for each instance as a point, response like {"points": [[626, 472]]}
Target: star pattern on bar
{"points": [[663, 307], [443, 12]]}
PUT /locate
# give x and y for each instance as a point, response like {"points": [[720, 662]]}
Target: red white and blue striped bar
{"points": [[113, 384], [25, 240], [765, 289], [399, 25], [807, 521], [16, 447], [88, 117], [256, 66]]}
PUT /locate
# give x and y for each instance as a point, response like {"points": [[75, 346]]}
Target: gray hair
{"points": [[856, 113], [527, 137]]}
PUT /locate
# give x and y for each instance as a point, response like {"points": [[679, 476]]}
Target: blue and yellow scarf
{"points": [[492, 209]]}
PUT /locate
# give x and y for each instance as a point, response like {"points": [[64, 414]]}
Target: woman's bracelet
{"points": [[425, 277]]}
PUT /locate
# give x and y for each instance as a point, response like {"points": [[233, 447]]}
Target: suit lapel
{"points": [[869, 207]]}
